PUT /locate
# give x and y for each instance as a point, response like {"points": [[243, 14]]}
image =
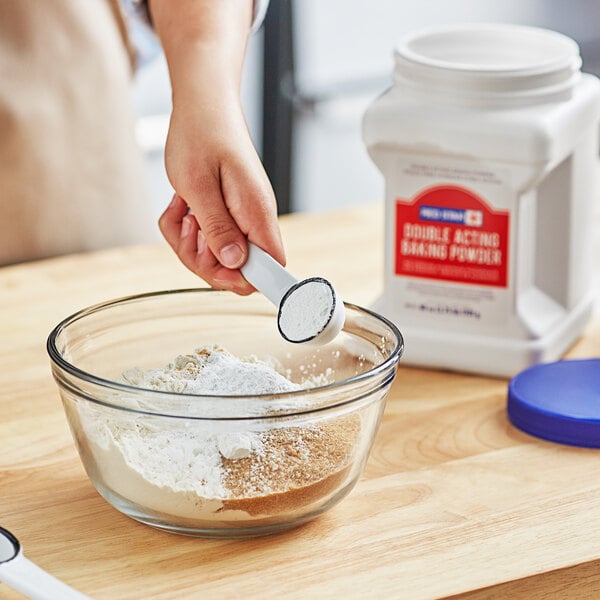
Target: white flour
{"points": [[175, 465], [306, 311], [212, 370]]}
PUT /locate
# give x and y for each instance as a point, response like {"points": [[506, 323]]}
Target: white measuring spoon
{"points": [[309, 311], [26, 577]]}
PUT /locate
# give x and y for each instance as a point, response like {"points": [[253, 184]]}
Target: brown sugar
{"points": [[295, 467]]}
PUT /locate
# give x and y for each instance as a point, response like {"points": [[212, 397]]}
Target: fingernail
{"points": [[201, 246], [231, 256], [186, 227]]}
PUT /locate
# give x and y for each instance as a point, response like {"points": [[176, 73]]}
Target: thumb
{"points": [[223, 236]]}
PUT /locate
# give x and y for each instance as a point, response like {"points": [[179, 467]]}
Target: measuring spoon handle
{"points": [[26, 577], [266, 274]]}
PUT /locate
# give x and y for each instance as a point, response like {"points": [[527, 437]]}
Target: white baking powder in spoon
{"points": [[309, 311], [306, 310]]}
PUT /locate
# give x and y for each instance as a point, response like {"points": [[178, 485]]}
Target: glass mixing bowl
{"points": [[158, 457]]}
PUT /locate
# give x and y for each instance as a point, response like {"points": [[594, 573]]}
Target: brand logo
{"points": [[441, 214]]}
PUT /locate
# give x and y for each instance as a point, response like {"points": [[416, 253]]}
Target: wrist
{"points": [[207, 97]]}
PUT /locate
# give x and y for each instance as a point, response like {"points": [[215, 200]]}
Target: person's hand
{"points": [[218, 176], [222, 194]]}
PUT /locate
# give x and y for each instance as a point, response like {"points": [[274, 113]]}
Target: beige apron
{"points": [[71, 176]]}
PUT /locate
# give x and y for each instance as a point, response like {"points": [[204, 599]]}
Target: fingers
{"points": [[170, 221], [182, 233]]}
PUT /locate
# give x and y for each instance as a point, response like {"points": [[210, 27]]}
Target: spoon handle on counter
{"points": [[26, 577]]}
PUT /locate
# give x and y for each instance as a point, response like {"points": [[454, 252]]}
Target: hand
{"points": [[219, 179]]}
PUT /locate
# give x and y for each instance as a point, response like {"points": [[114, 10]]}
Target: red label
{"points": [[448, 232]]}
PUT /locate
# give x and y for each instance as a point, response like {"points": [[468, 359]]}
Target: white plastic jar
{"points": [[488, 142]]}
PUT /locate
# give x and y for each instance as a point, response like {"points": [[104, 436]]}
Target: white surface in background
{"points": [[341, 40], [344, 59]]}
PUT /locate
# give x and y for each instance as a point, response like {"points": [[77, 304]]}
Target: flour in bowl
{"points": [[196, 469], [213, 370]]}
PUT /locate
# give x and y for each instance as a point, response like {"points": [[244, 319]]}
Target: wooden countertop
{"points": [[453, 501]]}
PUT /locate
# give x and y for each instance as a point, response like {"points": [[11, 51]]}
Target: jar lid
{"points": [[483, 61], [559, 402]]}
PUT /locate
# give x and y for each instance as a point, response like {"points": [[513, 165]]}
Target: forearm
{"points": [[206, 38]]}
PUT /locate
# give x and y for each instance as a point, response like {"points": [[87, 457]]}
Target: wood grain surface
{"points": [[454, 501]]}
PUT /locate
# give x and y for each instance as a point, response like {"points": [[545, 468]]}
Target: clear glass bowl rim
{"points": [[63, 364]]}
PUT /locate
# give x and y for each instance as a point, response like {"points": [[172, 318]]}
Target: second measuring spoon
{"points": [[24, 576], [309, 311]]}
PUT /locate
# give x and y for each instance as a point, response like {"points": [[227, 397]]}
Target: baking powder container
{"points": [[488, 143]]}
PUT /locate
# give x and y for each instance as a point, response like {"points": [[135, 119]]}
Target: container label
{"points": [[449, 233]]}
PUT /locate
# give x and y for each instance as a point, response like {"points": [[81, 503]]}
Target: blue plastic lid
{"points": [[558, 401]]}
